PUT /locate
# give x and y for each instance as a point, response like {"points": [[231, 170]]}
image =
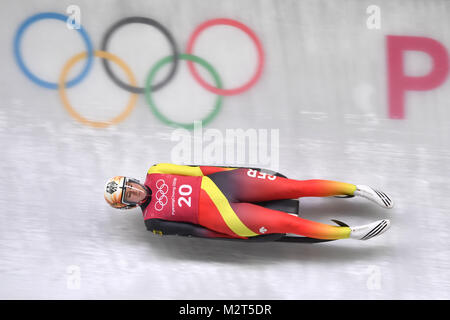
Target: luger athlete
{"points": [[220, 202]]}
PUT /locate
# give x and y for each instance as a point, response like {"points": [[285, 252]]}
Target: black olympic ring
{"points": [[149, 22]]}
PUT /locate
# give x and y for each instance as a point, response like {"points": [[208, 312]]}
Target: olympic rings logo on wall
{"points": [[149, 87]]}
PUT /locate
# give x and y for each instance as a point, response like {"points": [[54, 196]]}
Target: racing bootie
{"points": [[370, 230], [376, 196]]}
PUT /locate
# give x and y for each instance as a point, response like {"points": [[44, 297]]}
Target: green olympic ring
{"points": [[148, 92]]}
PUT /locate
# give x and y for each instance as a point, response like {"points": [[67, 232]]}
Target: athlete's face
{"points": [[134, 192]]}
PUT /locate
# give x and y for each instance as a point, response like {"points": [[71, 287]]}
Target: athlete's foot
{"points": [[370, 230], [379, 197]]}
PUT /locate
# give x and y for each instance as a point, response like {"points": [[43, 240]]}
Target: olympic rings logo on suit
{"points": [[132, 87], [160, 196]]}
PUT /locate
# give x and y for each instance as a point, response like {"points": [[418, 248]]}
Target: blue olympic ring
{"points": [[28, 73]]}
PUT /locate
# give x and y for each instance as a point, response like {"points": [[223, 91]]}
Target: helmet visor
{"points": [[133, 192]]}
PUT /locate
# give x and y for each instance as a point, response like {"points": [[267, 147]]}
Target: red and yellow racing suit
{"points": [[219, 202]]}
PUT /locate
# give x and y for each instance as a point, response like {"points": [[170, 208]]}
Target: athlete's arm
{"points": [[186, 170], [165, 227]]}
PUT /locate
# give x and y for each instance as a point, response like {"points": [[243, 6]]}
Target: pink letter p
{"points": [[399, 83]]}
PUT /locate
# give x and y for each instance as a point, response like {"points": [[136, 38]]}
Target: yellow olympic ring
{"points": [[62, 89]]}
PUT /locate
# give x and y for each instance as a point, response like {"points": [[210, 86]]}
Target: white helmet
{"points": [[115, 190]]}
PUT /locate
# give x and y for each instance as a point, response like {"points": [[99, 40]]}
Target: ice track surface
{"points": [[323, 86]]}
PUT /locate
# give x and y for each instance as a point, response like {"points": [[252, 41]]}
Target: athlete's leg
{"points": [[264, 221], [214, 214], [247, 185], [242, 220]]}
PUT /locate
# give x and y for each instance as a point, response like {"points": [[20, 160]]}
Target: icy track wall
{"points": [[353, 91]]}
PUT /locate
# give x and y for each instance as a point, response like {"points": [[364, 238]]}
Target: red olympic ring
{"points": [[244, 28]]}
